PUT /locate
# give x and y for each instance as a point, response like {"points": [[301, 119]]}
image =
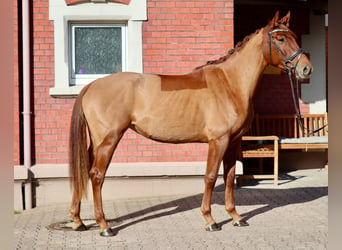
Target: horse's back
{"points": [[158, 107], [177, 108]]}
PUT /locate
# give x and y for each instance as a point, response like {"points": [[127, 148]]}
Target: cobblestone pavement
{"points": [[293, 215]]}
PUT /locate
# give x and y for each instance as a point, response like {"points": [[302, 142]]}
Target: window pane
{"points": [[98, 50]]}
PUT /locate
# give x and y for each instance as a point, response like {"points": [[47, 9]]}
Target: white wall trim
{"points": [[134, 14], [20, 173], [136, 169]]}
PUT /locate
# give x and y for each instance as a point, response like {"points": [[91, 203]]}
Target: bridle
{"points": [[289, 66]]}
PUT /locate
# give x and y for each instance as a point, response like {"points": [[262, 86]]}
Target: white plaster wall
{"points": [[314, 93]]}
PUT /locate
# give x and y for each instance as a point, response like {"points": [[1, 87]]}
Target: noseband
{"points": [[289, 65]]}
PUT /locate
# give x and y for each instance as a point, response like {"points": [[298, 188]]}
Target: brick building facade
{"points": [[176, 36]]}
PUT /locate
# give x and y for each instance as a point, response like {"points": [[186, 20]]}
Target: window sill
{"points": [[68, 92]]}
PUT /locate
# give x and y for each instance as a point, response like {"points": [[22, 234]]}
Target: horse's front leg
{"points": [[229, 161], [215, 154]]}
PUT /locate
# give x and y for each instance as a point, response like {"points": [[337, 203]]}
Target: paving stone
{"points": [[293, 215]]}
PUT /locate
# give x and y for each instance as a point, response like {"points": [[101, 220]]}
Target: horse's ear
{"points": [[274, 22], [286, 19]]}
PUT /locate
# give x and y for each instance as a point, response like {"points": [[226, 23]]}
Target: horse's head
{"points": [[282, 49]]}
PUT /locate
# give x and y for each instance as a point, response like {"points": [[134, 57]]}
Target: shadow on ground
{"points": [[270, 198]]}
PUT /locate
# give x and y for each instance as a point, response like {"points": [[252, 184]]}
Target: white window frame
{"points": [[133, 15], [82, 79]]}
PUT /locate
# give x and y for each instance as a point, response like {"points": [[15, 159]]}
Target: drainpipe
{"points": [[26, 100]]}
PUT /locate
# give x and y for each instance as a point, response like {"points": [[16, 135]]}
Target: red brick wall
{"points": [[178, 36], [274, 96], [50, 116]]}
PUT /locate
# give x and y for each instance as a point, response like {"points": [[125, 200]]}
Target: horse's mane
{"points": [[238, 46]]}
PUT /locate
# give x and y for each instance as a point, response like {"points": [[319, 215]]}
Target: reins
{"points": [[289, 66], [297, 108]]}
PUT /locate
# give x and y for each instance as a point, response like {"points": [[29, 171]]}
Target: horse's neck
{"points": [[248, 64]]}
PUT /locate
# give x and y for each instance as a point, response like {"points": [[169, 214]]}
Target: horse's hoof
{"points": [[81, 227], [240, 223], [108, 232], [213, 227]]}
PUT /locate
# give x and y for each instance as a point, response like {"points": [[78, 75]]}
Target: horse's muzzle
{"points": [[304, 72]]}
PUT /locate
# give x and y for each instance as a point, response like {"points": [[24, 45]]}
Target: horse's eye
{"points": [[281, 39]]}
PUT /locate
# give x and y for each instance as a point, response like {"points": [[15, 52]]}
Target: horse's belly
{"points": [[170, 131]]}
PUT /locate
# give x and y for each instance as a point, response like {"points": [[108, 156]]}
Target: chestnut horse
{"points": [[212, 104]]}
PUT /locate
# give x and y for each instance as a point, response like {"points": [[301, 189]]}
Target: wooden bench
{"points": [[271, 133]]}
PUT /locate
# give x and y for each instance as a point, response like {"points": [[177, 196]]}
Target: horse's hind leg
{"points": [[75, 208], [75, 214], [229, 161], [102, 156]]}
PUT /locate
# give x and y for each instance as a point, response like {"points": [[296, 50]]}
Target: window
{"points": [[102, 23], [96, 50]]}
